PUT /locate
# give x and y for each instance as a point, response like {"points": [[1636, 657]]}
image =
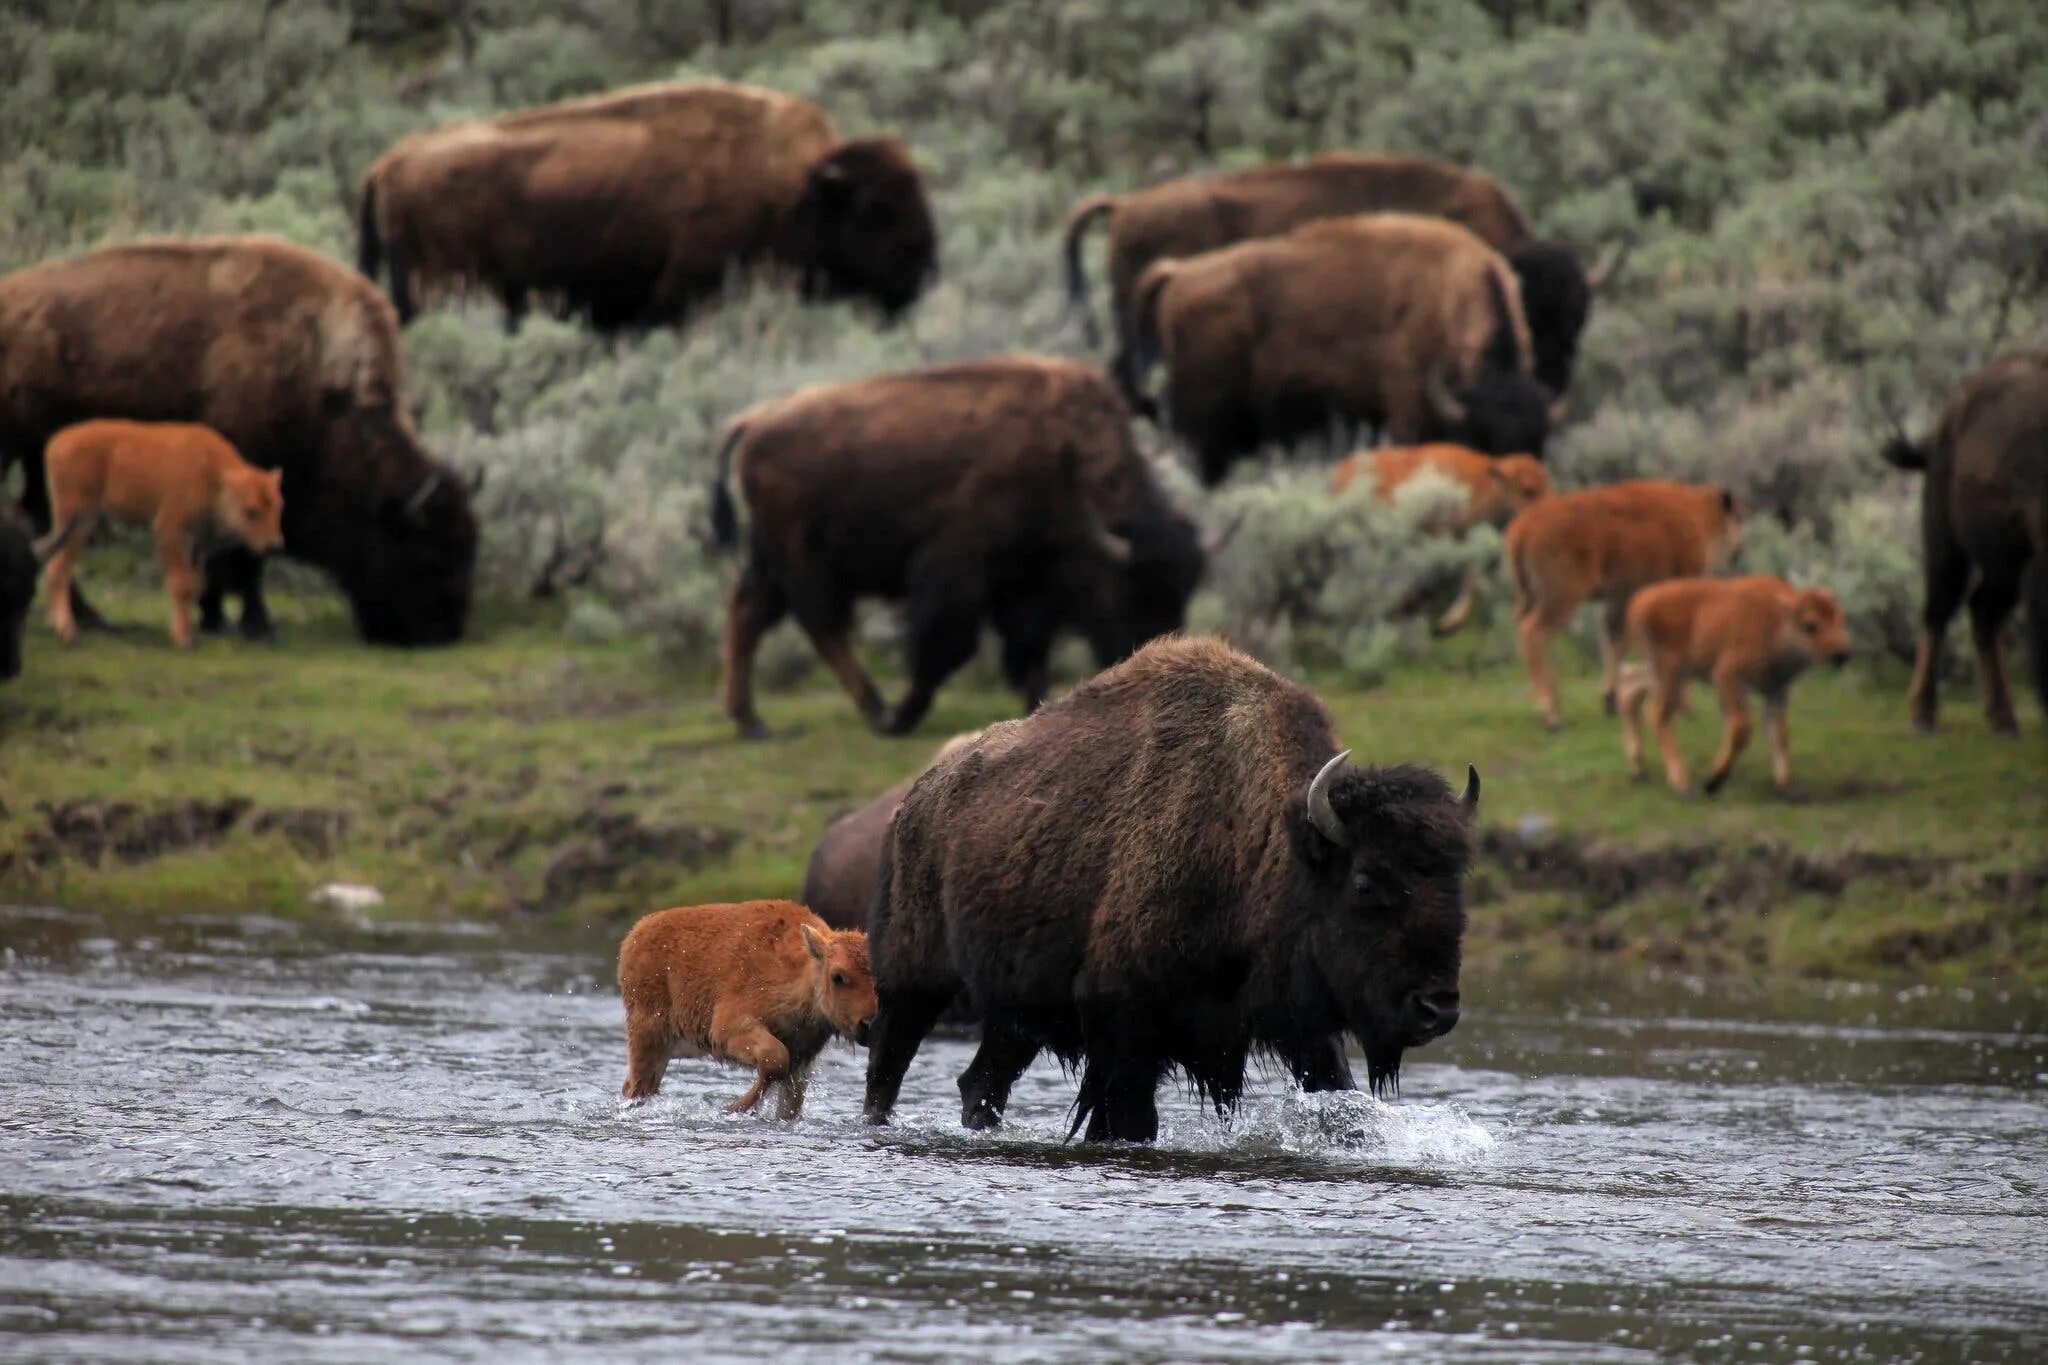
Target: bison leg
{"points": [[755, 605], [1948, 579], [1027, 637], [1613, 646], [1990, 606], [1119, 1099], [239, 572], [945, 629], [646, 1059], [1319, 1065], [985, 1085], [900, 1027], [1735, 727], [789, 1104], [514, 299], [58, 587]]}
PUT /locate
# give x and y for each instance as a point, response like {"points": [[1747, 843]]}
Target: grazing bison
{"points": [[1496, 488], [1169, 866], [17, 590], [1006, 491], [839, 880], [178, 478], [1607, 543], [1412, 325], [764, 983], [631, 207], [1744, 635], [1984, 516], [1191, 216], [295, 360]]}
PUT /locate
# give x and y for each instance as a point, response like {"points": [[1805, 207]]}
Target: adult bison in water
{"points": [[1190, 216], [1169, 866], [633, 206], [1984, 519], [1408, 324], [1007, 491], [291, 356]]}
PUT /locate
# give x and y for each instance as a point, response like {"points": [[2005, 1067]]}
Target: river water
{"points": [[238, 1140]]}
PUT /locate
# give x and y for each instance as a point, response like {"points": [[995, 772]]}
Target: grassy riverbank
{"points": [[521, 777]]}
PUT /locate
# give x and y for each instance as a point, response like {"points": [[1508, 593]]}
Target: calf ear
{"points": [[812, 942], [1728, 504]]}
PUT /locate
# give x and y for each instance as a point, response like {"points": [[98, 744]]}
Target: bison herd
{"points": [[1172, 867]]}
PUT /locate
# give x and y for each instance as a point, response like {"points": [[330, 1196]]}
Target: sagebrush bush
{"points": [[1836, 210]]}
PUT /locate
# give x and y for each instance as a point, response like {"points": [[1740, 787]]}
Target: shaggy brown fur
{"points": [[973, 492], [1389, 320], [294, 359], [1134, 878], [1744, 635], [1496, 488], [763, 984], [180, 479], [631, 207], [1984, 529], [1605, 544], [1190, 216]]}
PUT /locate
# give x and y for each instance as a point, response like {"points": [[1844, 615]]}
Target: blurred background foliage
{"points": [[1837, 208]]}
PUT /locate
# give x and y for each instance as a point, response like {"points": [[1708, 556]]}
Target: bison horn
{"points": [[1441, 398], [1321, 813], [417, 503], [1610, 264], [1470, 800], [1112, 545]]}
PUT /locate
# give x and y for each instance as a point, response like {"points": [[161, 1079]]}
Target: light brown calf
{"points": [[1496, 489], [1604, 544], [762, 983], [182, 479], [1743, 635]]}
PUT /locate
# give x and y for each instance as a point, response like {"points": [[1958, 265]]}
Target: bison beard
{"points": [[1168, 869]]}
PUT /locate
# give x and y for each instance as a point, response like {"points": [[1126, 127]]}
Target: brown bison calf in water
{"points": [[631, 207], [292, 357], [1606, 543], [763, 983], [1409, 325], [1984, 516], [1190, 216], [1006, 491], [1171, 866], [1755, 634]]}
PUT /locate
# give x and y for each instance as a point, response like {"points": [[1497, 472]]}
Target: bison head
{"points": [[17, 591], [401, 542], [863, 228], [1556, 296], [1502, 412], [1387, 850]]}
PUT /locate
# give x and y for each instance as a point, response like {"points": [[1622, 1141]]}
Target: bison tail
{"points": [[1903, 452], [725, 519], [1084, 213], [369, 241], [1145, 324]]}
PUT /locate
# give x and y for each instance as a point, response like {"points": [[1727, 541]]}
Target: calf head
{"points": [[863, 227], [251, 505], [17, 590], [1816, 628], [1387, 850], [842, 982], [1502, 412], [1518, 480]]}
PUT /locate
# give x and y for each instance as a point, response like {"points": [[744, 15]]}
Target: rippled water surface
{"points": [[236, 1140]]}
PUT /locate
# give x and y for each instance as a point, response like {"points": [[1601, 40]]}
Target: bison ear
{"points": [[813, 944], [1728, 504]]}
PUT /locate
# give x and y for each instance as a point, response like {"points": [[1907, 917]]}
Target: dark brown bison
{"points": [[1984, 518], [291, 356], [839, 880], [1007, 491], [17, 590], [1408, 324], [631, 207], [1199, 214], [1171, 866]]}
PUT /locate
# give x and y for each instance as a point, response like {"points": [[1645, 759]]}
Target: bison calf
{"points": [[183, 480], [1606, 543], [763, 983], [1743, 635], [1496, 489]]}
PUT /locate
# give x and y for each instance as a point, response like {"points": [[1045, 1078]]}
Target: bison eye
{"points": [[839, 978]]}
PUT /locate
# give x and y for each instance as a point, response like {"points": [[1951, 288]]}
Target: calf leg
{"points": [[181, 578], [1735, 727], [742, 1038], [646, 1058], [1777, 726], [1532, 632], [1670, 696], [1459, 611], [1990, 605], [754, 605], [1613, 647], [985, 1085], [902, 1022], [57, 584], [1635, 690], [1948, 578]]}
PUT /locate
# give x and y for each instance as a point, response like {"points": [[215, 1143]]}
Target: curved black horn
{"points": [[1112, 545], [1441, 398], [417, 503], [1611, 262], [1320, 812], [1470, 800]]}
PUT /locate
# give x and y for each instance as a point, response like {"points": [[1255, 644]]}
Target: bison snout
{"points": [[1430, 1014]]}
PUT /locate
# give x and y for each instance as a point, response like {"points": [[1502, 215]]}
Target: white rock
{"points": [[347, 896]]}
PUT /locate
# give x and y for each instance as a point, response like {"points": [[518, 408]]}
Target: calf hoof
{"points": [[1553, 724], [1713, 785]]}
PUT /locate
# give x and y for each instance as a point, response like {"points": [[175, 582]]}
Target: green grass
{"points": [[519, 775]]}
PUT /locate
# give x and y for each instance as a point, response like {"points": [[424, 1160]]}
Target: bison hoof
{"points": [[2006, 728], [754, 730], [213, 625], [896, 721], [259, 632], [979, 1116], [1713, 785], [875, 1118], [1924, 725]]}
